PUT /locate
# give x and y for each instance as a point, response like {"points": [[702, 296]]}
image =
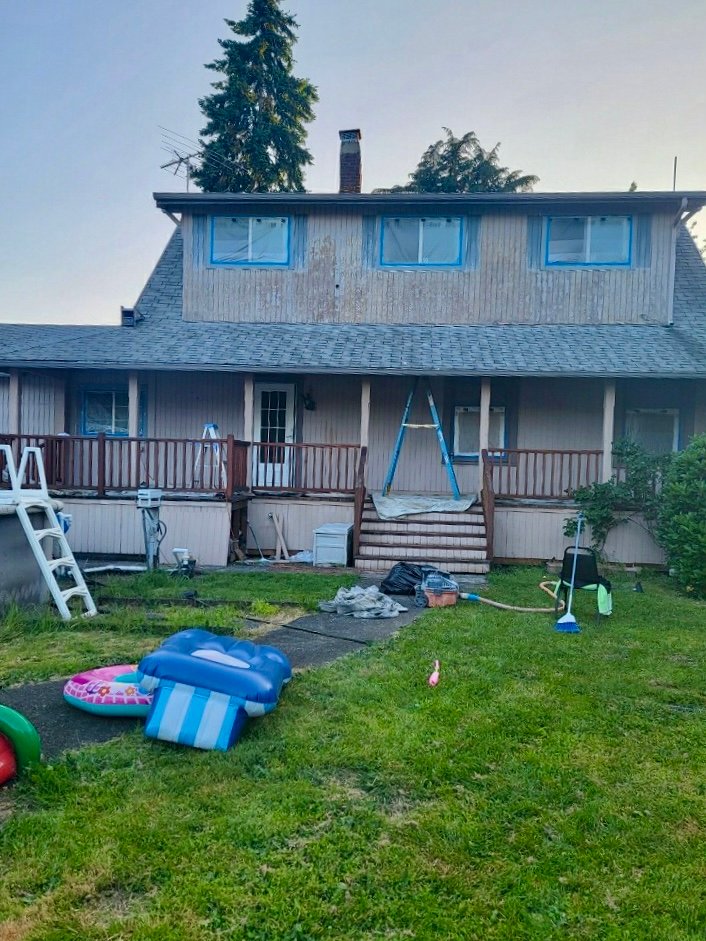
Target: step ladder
{"points": [[24, 499], [436, 425], [208, 456]]}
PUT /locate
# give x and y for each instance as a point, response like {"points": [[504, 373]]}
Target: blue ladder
{"points": [[404, 425]]}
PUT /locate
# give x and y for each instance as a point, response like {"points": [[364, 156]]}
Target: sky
{"points": [[587, 94]]}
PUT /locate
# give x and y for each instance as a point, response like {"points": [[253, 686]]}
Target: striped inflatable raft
{"points": [[205, 687]]}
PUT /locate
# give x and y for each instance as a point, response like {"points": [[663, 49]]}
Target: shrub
{"points": [[634, 490], [681, 526]]}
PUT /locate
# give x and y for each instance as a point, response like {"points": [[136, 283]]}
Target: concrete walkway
{"points": [[311, 641]]}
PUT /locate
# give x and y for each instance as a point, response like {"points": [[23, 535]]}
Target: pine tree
{"points": [[254, 137], [461, 165]]}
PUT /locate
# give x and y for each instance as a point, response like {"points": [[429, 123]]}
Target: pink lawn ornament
{"points": [[435, 676]]}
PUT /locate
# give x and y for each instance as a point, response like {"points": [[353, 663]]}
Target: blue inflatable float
{"points": [[206, 686]]}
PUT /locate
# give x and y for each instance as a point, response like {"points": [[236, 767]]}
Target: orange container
{"points": [[440, 599]]}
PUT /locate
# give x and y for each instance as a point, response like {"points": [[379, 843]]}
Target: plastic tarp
{"points": [[407, 504], [362, 603]]}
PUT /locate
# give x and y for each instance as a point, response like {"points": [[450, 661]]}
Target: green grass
{"points": [[551, 787], [39, 646]]}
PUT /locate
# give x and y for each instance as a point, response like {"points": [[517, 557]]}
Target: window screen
{"points": [[467, 430], [656, 430], [105, 412], [589, 240], [250, 240], [421, 241]]}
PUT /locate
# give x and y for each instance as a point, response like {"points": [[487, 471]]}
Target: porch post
{"points": [[14, 417], [608, 426], [59, 404], [133, 405], [484, 429], [248, 421], [364, 412], [700, 411]]}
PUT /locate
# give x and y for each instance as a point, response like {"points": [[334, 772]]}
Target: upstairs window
{"points": [[105, 411], [249, 240], [434, 242], [589, 240], [654, 429], [467, 430]]}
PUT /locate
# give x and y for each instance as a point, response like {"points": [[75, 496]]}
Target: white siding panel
{"points": [[114, 527], [299, 520]]}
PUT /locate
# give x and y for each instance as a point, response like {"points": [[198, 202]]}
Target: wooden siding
{"points": [[300, 517], [114, 528], [537, 533], [560, 413], [339, 282], [4, 403]]}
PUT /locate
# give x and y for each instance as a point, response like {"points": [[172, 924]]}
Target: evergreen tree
{"points": [[461, 165], [254, 137]]}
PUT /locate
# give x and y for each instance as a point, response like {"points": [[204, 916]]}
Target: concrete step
{"points": [[472, 567]]}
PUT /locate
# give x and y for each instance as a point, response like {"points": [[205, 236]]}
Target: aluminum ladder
{"points": [[436, 425], [210, 447], [25, 499]]}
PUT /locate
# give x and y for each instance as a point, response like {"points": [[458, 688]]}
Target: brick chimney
{"points": [[351, 173]]}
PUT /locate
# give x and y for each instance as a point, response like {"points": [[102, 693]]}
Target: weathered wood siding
{"points": [[114, 527], [336, 279], [536, 533]]}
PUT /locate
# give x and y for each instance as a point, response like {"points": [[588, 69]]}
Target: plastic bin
{"points": [[332, 544]]}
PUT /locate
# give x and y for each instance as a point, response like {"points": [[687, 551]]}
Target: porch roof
{"points": [[161, 340]]}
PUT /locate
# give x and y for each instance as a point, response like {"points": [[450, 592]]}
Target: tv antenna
{"points": [[179, 161]]}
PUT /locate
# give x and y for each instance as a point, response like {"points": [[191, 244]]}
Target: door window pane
{"points": [[105, 412]]}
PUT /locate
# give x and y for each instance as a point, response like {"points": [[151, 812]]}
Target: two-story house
{"points": [[549, 325]]}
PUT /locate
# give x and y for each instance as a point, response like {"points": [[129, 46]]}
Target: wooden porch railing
{"points": [[359, 499], [102, 465], [535, 474], [313, 468]]}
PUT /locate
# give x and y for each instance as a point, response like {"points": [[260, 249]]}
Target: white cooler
{"points": [[332, 544]]}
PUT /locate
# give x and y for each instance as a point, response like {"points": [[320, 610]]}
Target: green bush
{"points": [[682, 516]]}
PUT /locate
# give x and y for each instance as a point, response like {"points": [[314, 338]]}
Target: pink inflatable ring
{"points": [[109, 691]]}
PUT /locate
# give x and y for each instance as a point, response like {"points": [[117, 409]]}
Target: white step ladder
{"points": [[210, 456], [26, 498]]}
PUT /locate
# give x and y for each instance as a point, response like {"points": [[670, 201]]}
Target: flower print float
{"points": [[109, 691]]}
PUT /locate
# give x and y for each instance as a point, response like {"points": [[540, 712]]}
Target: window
{"points": [[105, 411], [249, 240], [589, 240], [467, 430], [654, 429], [421, 242]]}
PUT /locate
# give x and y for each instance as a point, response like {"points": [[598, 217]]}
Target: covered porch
{"points": [[313, 447]]}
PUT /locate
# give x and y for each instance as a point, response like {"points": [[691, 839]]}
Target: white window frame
{"points": [[674, 412], [500, 409], [587, 263], [248, 262], [420, 243]]}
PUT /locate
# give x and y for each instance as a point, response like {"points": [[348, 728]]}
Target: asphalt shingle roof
{"points": [[162, 340]]}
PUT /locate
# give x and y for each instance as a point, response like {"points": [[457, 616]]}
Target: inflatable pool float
{"points": [[19, 744], [109, 691], [206, 686]]}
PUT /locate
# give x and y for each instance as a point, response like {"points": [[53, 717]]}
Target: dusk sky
{"points": [[587, 95]]}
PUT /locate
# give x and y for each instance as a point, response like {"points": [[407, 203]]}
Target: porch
{"points": [[313, 448]]}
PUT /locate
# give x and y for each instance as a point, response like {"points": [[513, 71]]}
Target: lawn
{"points": [[551, 787]]}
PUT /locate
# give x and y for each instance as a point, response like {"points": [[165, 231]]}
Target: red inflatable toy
{"points": [[8, 763]]}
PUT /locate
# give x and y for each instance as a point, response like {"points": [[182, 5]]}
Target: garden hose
{"points": [[23, 737], [545, 586]]}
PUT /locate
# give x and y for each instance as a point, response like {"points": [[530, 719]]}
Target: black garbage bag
{"points": [[403, 578]]}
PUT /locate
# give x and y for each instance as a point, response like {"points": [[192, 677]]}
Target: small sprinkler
{"points": [[435, 676]]}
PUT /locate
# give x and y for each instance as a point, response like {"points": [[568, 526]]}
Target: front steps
{"points": [[454, 542]]}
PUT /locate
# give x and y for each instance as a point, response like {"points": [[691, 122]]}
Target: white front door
{"points": [[273, 461]]}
